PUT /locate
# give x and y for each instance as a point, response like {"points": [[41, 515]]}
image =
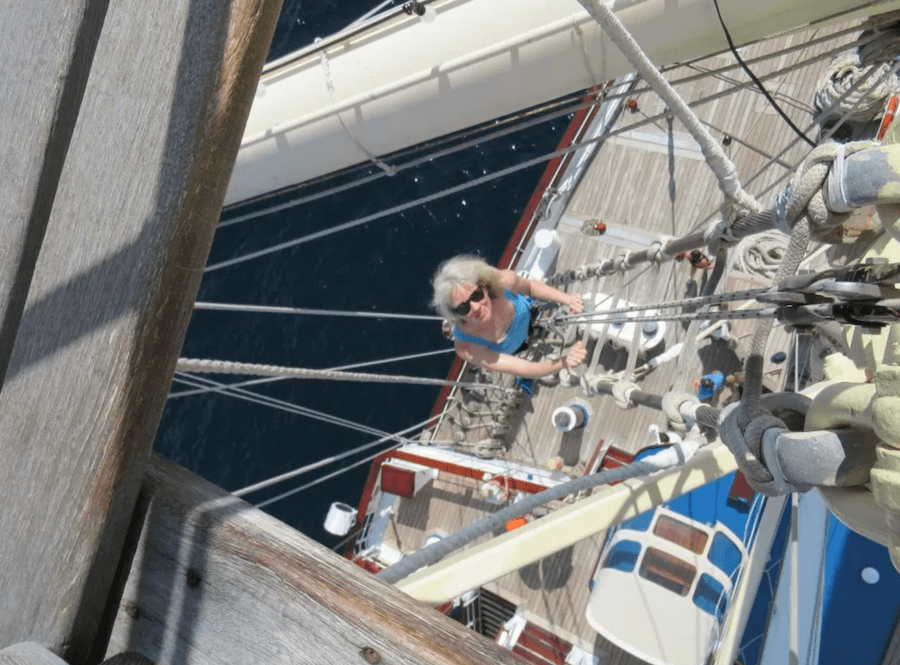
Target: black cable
{"points": [[759, 83]]}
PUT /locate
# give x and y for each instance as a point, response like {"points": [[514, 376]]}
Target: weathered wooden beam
{"points": [[46, 49], [215, 580], [132, 221], [29, 653]]}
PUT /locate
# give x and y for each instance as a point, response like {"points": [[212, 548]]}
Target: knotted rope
{"points": [[745, 439]]}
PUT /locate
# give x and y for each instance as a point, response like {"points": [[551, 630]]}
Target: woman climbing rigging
{"points": [[490, 313]]}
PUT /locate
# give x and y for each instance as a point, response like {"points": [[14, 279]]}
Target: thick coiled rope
{"points": [[861, 105], [880, 39], [805, 197], [761, 254]]}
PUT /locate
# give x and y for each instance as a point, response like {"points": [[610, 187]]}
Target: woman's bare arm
{"points": [[541, 291], [501, 362]]}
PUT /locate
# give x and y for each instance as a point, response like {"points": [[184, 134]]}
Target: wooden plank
{"points": [[29, 653], [215, 580], [45, 56], [127, 658], [133, 217]]}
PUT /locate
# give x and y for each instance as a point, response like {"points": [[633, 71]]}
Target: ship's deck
{"points": [[645, 183]]}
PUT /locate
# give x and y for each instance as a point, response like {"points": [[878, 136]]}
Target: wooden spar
{"points": [[44, 80], [214, 579], [30, 653], [128, 231]]}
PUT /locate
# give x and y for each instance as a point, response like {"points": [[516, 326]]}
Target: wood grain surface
{"points": [[132, 220], [215, 580]]}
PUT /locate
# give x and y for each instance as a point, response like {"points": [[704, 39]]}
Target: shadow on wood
{"points": [[215, 579], [132, 220]]}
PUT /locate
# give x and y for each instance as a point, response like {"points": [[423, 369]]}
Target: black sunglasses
{"points": [[463, 308]]}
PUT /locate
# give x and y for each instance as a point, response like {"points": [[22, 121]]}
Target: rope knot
{"points": [[678, 409], [817, 191], [656, 254], [622, 391], [745, 440]]}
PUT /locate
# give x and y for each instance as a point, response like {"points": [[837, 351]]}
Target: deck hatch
{"points": [[667, 571], [676, 531]]}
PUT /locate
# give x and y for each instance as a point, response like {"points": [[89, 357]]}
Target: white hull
{"points": [[408, 80]]}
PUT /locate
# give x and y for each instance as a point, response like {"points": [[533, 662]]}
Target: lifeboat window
{"points": [[709, 596], [724, 554], [639, 523], [623, 556], [667, 571], [678, 532]]}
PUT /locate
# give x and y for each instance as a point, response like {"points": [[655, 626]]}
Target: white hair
{"points": [[463, 270]]}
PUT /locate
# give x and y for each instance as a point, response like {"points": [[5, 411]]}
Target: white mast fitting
{"points": [[407, 80]]}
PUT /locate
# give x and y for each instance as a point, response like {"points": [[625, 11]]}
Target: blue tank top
{"points": [[518, 329]]}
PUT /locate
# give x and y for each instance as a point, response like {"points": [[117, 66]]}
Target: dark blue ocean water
{"points": [[384, 266]]}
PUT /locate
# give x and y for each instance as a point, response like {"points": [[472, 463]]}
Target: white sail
{"points": [[410, 79]]}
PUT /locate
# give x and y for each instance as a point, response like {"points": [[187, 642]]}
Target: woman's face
{"points": [[473, 298]]}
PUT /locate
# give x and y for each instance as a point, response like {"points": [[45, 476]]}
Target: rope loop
{"points": [[655, 252], [816, 191], [673, 406], [746, 444], [719, 233], [622, 391]]}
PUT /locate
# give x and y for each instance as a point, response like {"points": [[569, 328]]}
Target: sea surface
{"points": [[383, 266]]}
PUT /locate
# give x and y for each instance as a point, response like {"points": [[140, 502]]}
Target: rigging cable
{"points": [[331, 475], [287, 406], [478, 181], [328, 460], [270, 379], [263, 309], [758, 83], [668, 458], [202, 366], [719, 162]]}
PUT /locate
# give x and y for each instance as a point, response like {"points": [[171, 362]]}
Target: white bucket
{"points": [[567, 418], [340, 519]]}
